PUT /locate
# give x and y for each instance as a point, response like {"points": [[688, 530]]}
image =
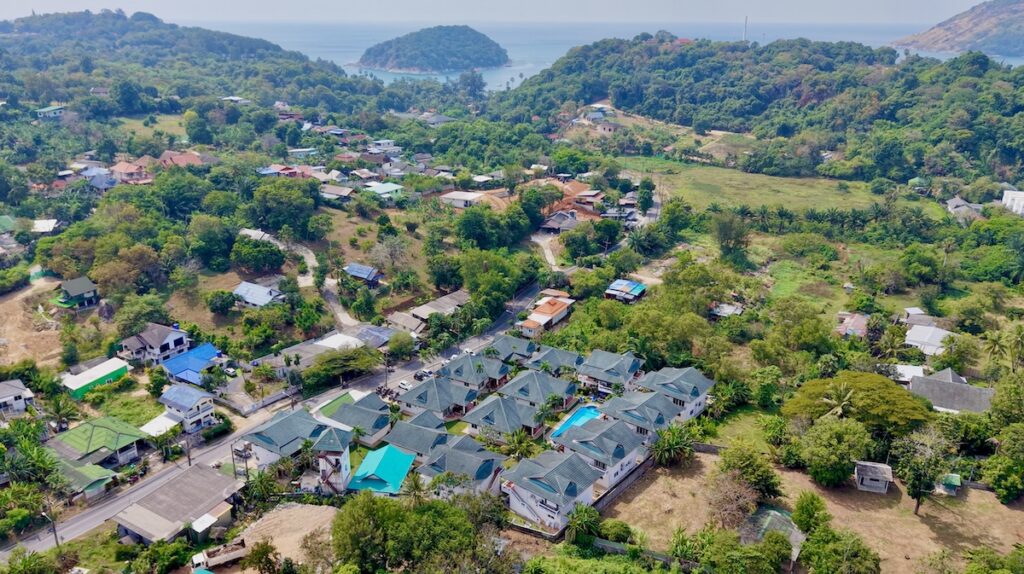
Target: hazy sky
{"points": [[786, 11]]}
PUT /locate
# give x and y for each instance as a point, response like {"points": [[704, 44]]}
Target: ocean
{"points": [[533, 47]]}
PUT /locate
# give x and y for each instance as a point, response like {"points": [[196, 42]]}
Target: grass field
{"points": [[96, 549], [167, 124], [702, 185], [741, 424], [664, 500]]}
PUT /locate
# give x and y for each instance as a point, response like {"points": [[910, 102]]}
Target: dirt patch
{"points": [[285, 526], [668, 499], [19, 338], [527, 546]]}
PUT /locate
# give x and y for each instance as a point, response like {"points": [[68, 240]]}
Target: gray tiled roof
{"points": [[557, 359], [152, 336], [502, 414], [536, 387], [601, 440], [78, 286], [952, 396], [438, 394], [333, 440], [474, 370], [12, 388], [285, 433], [509, 347], [610, 367], [684, 384], [369, 413], [415, 439], [428, 420], [464, 456], [556, 477], [651, 411]]}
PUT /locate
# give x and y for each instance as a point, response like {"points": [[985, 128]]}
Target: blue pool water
{"points": [[581, 416]]}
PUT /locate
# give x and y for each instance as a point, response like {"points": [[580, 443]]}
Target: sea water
{"points": [[533, 47]]}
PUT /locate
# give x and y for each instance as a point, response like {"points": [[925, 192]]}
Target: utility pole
{"points": [[188, 448], [53, 523]]}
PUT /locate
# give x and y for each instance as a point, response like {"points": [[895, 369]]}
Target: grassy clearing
{"points": [[742, 424], [168, 124], [132, 408], [664, 500], [194, 310], [702, 185], [97, 549]]}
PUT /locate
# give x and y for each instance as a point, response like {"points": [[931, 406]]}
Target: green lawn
{"points": [[333, 406], [456, 427], [742, 424], [357, 454]]}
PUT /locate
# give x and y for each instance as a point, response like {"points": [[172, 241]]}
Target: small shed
{"points": [[949, 484], [873, 476]]}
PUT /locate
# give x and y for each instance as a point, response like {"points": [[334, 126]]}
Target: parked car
{"points": [[230, 371], [404, 385], [420, 375]]}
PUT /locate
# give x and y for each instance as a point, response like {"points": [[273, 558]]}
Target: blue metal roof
{"points": [[360, 271], [183, 397], [190, 365]]}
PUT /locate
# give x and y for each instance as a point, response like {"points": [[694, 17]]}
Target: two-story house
{"points": [[606, 372], [497, 417], [478, 373], [154, 345], [467, 459], [334, 462], [191, 406], [609, 446], [14, 397], [534, 388], [437, 395], [558, 362], [645, 413], [688, 388], [546, 488], [369, 419], [79, 293]]}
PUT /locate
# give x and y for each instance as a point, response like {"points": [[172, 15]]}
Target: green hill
{"points": [[437, 49]]}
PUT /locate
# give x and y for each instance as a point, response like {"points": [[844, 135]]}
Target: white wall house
{"points": [[155, 344], [545, 489], [14, 397], [610, 447], [687, 388], [1013, 200]]}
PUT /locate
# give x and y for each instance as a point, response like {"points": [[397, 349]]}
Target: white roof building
{"points": [[927, 338]]}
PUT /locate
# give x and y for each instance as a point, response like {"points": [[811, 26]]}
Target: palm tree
{"points": [[545, 367], [262, 487], [490, 352], [63, 410], [839, 399], [518, 445], [1015, 346], [673, 446], [357, 434], [995, 345], [583, 521], [415, 489], [544, 412], [394, 414], [284, 467], [307, 457]]}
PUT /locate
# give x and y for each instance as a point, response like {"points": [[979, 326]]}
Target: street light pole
{"points": [[53, 523]]}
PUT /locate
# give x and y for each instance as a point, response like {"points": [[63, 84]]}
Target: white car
{"points": [[404, 385], [230, 371]]}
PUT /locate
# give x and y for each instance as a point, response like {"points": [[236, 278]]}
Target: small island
{"points": [[437, 49]]}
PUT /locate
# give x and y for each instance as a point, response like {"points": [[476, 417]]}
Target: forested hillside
{"points": [[60, 57], [880, 116]]}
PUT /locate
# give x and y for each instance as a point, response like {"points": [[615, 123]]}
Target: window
{"points": [[548, 505], [642, 431], [599, 465]]}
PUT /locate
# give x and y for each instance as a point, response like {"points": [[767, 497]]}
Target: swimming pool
{"points": [[579, 417]]}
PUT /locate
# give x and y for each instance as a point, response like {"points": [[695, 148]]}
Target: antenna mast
{"points": [[746, 20]]}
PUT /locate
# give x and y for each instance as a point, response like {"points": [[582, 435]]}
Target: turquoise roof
{"points": [[383, 470]]}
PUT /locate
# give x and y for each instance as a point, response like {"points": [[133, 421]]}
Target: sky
{"points": [[466, 11]]}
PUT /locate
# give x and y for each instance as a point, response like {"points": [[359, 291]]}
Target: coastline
{"points": [[422, 72]]}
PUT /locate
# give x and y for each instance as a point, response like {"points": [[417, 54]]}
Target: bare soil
{"points": [[668, 499], [284, 527], [19, 338]]}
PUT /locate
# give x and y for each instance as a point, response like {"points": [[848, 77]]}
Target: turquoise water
{"points": [[580, 417], [533, 47]]}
